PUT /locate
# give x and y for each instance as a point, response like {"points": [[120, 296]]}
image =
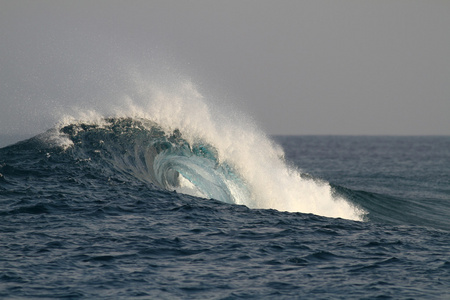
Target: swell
{"points": [[384, 208]]}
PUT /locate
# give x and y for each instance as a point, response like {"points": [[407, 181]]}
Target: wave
{"points": [[233, 165], [141, 148], [176, 141]]}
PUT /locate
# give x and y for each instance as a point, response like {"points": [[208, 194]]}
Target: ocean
{"points": [[168, 207]]}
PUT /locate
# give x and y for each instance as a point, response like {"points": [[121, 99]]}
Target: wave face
{"points": [[142, 149], [196, 166]]}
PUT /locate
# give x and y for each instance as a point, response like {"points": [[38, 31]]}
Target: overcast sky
{"points": [[297, 67]]}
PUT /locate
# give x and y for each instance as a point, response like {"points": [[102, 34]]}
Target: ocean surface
{"points": [[131, 208]]}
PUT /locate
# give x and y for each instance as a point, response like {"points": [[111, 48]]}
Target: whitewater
{"points": [[166, 194]]}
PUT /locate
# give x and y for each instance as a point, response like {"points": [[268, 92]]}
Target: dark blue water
{"points": [[96, 218]]}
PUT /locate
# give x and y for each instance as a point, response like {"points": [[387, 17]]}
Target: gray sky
{"points": [[297, 67]]}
